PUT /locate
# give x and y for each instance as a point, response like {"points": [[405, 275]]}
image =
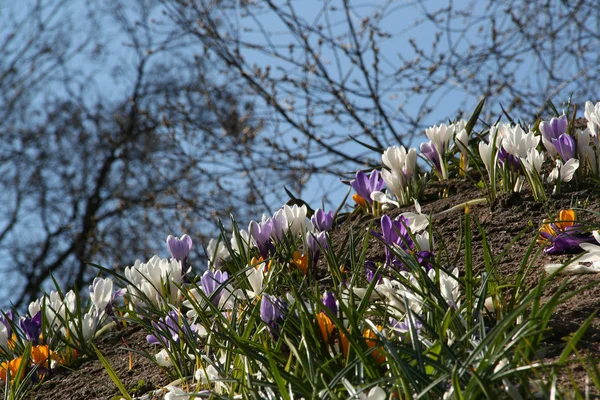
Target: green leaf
{"points": [[368, 146], [475, 116]]}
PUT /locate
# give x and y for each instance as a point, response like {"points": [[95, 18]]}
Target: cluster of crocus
{"points": [[399, 176], [563, 235], [396, 235], [156, 282], [440, 137]]}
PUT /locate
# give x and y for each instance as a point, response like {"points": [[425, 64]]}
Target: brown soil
{"points": [[90, 381]]}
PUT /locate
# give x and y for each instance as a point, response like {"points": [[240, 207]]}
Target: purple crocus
{"points": [[402, 328], [508, 160], [169, 329], [370, 270], [565, 146], [430, 151], [364, 185], [211, 283], [272, 312], [555, 128], [330, 302], [315, 242], [180, 248], [394, 233], [261, 233], [32, 327], [566, 241], [322, 221]]}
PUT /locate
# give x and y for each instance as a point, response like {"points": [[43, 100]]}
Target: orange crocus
{"points": [[258, 261], [566, 219], [359, 200], [371, 340], [301, 261], [344, 343], [40, 355], [326, 326], [12, 366]]}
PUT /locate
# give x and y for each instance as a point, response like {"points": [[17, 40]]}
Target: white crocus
{"points": [[3, 337], [422, 240], [440, 135], [416, 221], [148, 279], [89, 324], [592, 114], [462, 142], [35, 307], [534, 160], [385, 199], [376, 393], [163, 359], [395, 183], [518, 143], [257, 277], [242, 242], [585, 150], [216, 251], [565, 171], [296, 218], [176, 393], [400, 161], [101, 292], [449, 286]]}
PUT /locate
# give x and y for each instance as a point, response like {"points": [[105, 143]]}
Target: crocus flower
{"points": [[370, 270], [32, 327], [364, 186], [430, 151], [315, 242], [301, 261], [179, 248], [592, 114], [272, 312], [261, 234], [170, 329], [371, 340], [508, 160], [401, 162], [101, 292], [217, 253], [553, 130], [211, 283], [564, 172], [564, 235], [330, 302], [394, 233], [322, 221], [402, 328], [565, 146], [585, 152], [440, 136], [516, 142], [279, 225], [296, 219]]}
